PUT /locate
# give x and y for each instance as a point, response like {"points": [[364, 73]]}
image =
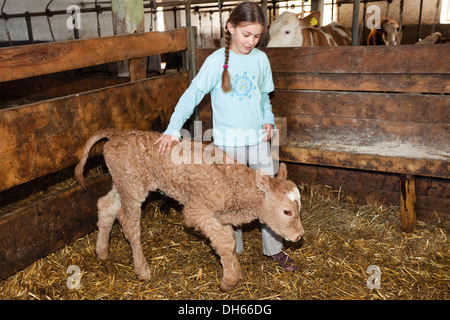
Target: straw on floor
{"points": [[348, 252]]}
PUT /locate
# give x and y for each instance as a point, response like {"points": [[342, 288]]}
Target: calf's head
{"points": [[280, 209]]}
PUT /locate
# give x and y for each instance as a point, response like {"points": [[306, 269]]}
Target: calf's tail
{"points": [[107, 133]]}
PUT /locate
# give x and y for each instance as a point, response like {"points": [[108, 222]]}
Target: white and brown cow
{"points": [[385, 34], [288, 30]]}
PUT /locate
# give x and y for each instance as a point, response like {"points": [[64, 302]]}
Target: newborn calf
{"points": [[215, 196]]}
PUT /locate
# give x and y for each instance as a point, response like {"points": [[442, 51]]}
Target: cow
{"points": [[385, 34], [288, 30]]}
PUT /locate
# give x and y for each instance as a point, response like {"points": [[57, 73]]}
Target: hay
{"points": [[342, 240]]}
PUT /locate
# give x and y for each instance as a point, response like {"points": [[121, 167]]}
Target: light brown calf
{"points": [[215, 196]]}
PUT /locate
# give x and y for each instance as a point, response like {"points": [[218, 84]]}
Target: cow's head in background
{"points": [[386, 34], [390, 31], [289, 30], [286, 29]]}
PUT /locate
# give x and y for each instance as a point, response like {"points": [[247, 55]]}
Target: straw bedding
{"points": [[341, 241]]}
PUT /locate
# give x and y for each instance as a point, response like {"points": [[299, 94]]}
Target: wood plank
{"points": [[34, 231], [424, 167], [44, 87], [138, 70], [368, 132], [41, 138], [404, 59], [415, 83], [362, 59], [32, 60], [202, 54], [424, 108], [376, 188]]}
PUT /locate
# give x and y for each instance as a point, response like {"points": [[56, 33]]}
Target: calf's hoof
{"points": [[227, 285], [144, 273], [102, 253]]}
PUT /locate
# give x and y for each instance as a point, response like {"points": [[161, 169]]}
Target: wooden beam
{"points": [[43, 88], [408, 202], [370, 162], [38, 229], [411, 108], [409, 59], [46, 58], [404, 59], [138, 70], [393, 82], [41, 138]]}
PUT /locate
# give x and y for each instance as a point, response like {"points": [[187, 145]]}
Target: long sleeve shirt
{"points": [[238, 115]]}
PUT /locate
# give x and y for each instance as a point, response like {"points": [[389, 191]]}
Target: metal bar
{"points": [[419, 23], [355, 23], [29, 27], [91, 10], [187, 7], [400, 23], [363, 31]]}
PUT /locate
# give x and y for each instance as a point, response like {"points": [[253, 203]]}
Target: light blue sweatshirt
{"points": [[238, 116]]}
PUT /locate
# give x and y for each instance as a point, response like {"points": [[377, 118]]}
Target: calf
{"points": [[386, 34], [216, 196], [287, 30]]}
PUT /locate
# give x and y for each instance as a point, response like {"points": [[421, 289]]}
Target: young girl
{"points": [[239, 79]]}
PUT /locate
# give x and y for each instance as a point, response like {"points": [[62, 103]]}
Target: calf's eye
{"points": [[287, 212]]}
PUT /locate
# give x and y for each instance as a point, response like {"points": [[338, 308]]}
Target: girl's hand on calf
{"points": [[165, 143]]}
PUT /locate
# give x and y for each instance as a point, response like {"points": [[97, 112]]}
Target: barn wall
{"points": [[207, 32], [17, 27]]}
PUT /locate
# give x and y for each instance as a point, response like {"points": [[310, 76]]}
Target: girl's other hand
{"points": [[165, 143], [268, 129]]}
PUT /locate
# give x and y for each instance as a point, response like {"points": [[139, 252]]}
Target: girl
{"points": [[240, 80]]}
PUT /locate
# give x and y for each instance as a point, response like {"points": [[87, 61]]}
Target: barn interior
{"points": [[366, 139]]}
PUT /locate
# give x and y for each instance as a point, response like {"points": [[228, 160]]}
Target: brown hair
{"points": [[244, 13]]}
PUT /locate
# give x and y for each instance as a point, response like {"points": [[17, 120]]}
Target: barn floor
{"points": [[342, 240]]}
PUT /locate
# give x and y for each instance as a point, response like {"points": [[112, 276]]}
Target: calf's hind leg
{"points": [[130, 218], [108, 207]]}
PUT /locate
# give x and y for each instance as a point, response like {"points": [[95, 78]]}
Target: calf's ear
{"points": [[262, 180], [282, 171]]}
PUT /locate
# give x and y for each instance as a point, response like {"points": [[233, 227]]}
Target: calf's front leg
{"points": [[222, 240]]}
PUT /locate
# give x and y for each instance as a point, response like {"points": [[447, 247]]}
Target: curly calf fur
{"points": [[215, 196]]}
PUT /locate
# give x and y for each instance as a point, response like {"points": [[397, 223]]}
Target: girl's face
{"points": [[244, 37]]}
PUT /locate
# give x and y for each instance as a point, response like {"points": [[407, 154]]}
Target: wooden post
{"points": [[408, 202], [128, 17]]}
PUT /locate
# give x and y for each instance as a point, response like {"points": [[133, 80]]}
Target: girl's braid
{"points": [[226, 85]]}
